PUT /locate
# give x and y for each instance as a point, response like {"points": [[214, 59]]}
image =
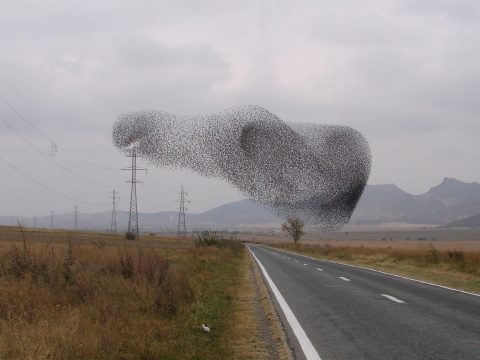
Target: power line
{"points": [[12, 108], [47, 187], [49, 158]]}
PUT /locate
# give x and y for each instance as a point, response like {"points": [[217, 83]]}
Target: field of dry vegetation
{"points": [[450, 267], [93, 296]]}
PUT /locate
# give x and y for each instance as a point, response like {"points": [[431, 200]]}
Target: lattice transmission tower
{"points": [[113, 223], [133, 229], [182, 228], [75, 219]]}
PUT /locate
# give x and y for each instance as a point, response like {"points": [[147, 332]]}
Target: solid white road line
{"points": [[393, 298], [405, 278], [319, 269], [305, 343], [343, 278], [383, 272]]}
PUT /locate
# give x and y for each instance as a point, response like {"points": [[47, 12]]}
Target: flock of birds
{"points": [[313, 172]]}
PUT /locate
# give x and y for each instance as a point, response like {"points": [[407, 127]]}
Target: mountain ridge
{"points": [[446, 204]]}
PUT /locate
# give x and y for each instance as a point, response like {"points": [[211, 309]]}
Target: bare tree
{"points": [[294, 227]]}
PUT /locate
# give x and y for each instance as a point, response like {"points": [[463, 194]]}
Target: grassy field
{"points": [[66, 295], [466, 239], [449, 266]]}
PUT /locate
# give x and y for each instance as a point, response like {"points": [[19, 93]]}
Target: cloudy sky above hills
{"points": [[404, 73]]}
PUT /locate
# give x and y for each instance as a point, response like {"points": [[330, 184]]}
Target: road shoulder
{"points": [[260, 334]]}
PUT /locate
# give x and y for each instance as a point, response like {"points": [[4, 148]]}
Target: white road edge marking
{"points": [[393, 298], [382, 272], [319, 269], [305, 343], [343, 278]]}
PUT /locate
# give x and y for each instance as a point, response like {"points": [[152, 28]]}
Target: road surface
{"points": [[335, 311]]}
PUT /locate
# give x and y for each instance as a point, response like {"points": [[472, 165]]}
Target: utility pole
{"points": [[34, 221], [51, 219], [113, 223], [133, 213], [76, 218], [182, 229]]}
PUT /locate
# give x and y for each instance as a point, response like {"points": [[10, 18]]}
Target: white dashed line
{"points": [[319, 269], [343, 278], [385, 273], [296, 260], [305, 264], [393, 298]]}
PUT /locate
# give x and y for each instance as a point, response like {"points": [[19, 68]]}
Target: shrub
{"points": [[431, 254], [67, 265], [126, 264], [209, 238], [129, 235], [457, 258], [173, 291]]}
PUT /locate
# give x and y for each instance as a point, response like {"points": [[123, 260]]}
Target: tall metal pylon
{"points": [[133, 214], [113, 224], [182, 228], [75, 226]]}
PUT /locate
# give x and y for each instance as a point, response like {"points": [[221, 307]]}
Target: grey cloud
{"points": [[404, 73], [142, 51], [461, 10]]}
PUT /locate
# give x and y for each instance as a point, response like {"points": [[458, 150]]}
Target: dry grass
{"points": [[246, 322], [98, 297], [470, 245], [450, 267], [259, 334]]}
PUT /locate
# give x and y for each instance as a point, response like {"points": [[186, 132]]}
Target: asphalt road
{"points": [[344, 312]]}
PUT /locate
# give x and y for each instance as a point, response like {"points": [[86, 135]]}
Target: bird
{"points": [[205, 328]]}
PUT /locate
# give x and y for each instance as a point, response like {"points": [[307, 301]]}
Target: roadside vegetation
{"points": [[294, 228], [455, 268], [66, 295]]}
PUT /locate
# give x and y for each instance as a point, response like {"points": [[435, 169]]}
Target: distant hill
{"points": [[451, 203], [241, 214], [470, 222]]}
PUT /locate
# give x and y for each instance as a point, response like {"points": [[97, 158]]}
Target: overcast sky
{"points": [[404, 73]]}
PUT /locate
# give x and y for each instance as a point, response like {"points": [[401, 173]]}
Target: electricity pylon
{"points": [[113, 224], [182, 229], [133, 228], [76, 219]]}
